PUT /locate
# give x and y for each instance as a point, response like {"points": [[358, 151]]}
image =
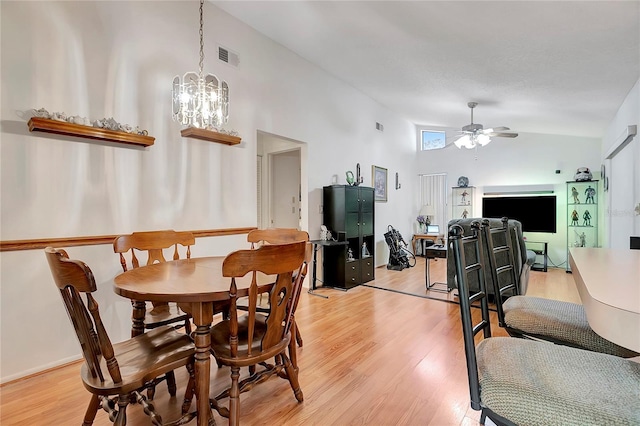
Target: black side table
{"points": [[316, 246], [435, 252], [541, 250]]}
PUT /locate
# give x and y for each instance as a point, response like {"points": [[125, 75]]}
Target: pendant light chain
{"points": [[201, 65]]}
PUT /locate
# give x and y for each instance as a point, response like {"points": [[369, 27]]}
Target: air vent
{"points": [[379, 126], [227, 56]]}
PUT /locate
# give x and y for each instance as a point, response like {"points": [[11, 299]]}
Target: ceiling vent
{"points": [[379, 126], [229, 57]]}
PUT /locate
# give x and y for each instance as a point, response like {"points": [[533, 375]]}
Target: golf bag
{"points": [[399, 256]]}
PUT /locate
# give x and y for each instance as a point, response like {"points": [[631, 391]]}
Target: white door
{"points": [[285, 189]]}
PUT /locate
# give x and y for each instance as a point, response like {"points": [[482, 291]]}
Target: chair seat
{"points": [[163, 348], [558, 321], [220, 342], [532, 383]]}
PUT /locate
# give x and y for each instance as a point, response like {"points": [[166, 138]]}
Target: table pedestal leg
{"points": [[202, 316], [137, 317]]}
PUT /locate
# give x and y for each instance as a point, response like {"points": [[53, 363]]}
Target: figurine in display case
{"points": [[463, 199], [587, 218], [574, 194], [583, 240], [590, 193], [574, 218]]}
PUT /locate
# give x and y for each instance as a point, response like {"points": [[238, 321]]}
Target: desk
{"points": [[608, 282], [421, 238], [316, 246], [195, 284], [435, 252]]}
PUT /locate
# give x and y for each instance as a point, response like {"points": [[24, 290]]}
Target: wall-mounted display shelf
{"points": [[37, 124], [210, 136]]}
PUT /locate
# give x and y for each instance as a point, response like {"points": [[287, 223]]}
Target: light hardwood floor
{"points": [[370, 357]]}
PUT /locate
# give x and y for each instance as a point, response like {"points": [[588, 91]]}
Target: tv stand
{"points": [[541, 250]]}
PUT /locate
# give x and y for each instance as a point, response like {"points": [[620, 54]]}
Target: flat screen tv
{"points": [[536, 213]]}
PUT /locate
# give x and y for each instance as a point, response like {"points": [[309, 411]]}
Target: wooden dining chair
{"points": [[116, 374], [254, 338], [154, 243], [525, 382], [530, 317], [278, 236]]}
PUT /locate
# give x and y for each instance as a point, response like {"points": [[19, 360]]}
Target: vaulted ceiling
{"points": [[535, 66]]}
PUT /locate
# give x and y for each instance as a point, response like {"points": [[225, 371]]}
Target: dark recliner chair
{"points": [[523, 258]]}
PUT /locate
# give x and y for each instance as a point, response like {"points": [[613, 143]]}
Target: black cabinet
{"points": [[349, 214]]}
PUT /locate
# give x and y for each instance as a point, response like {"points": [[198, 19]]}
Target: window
{"points": [[432, 139]]}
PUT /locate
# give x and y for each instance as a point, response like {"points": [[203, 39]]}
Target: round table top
{"points": [[185, 280]]}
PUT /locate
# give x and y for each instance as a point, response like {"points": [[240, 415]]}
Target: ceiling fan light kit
{"points": [[475, 134]]}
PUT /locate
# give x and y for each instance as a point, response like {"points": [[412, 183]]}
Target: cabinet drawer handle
{"points": [[353, 268], [353, 279]]}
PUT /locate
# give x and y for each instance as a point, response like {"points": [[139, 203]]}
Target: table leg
{"points": [[426, 272], [202, 314], [137, 317], [314, 272]]}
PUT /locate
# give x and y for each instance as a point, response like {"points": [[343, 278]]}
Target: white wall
{"points": [[529, 159], [103, 59]]}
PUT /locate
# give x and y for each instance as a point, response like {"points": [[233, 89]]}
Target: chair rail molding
{"points": [[40, 243]]}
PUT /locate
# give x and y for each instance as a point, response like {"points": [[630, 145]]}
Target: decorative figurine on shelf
{"points": [[590, 193], [463, 197], [583, 174], [574, 218], [465, 213], [350, 179], [574, 194], [365, 251], [463, 181], [587, 218], [350, 255]]}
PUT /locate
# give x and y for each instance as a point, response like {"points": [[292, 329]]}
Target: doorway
{"points": [[282, 189]]}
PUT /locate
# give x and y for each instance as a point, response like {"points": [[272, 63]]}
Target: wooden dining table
{"points": [[608, 281], [196, 284]]}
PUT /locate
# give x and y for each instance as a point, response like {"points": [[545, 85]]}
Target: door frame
{"points": [[269, 144]]}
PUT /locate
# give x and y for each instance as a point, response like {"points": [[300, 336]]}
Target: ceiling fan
{"points": [[475, 134]]}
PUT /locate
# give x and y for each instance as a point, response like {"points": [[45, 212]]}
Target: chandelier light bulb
{"points": [[483, 139]]}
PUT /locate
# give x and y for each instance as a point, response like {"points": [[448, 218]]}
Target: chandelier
{"points": [[200, 101]]}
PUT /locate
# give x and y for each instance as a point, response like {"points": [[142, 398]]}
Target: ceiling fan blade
{"points": [[503, 134], [496, 129]]}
